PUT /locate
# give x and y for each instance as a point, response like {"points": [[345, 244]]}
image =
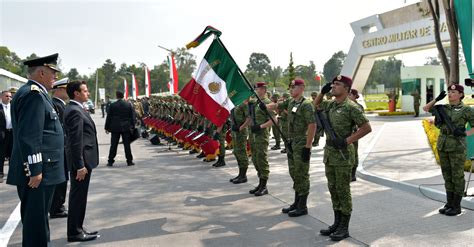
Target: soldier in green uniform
{"points": [[283, 116], [301, 130], [354, 95], [275, 132], [338, 159], [219, 135], [319, 129], [260, 124], [37, 162], [451, 145], [239, 123], [416, 102]]}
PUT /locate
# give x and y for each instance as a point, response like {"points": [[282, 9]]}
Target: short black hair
{"points": [[74, 86], [119, 94]]}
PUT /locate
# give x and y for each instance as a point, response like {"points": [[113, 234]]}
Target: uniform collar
{"points": [[76, 102], [60, 100], [40, 85]]}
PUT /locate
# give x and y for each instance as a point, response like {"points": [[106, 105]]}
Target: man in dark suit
{"points": [[37, 162], [6, 135], [120, 121], [82, 153], [58, 210]]}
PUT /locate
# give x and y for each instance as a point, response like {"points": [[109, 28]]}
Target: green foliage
{"points": [[73, 74], [386, 72], [307, 73], [333, 66], [260, 64], [291, 69]]}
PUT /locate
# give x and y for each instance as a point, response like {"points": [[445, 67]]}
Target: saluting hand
{"points": [[326, 88], [35, 181], [81, 174]]}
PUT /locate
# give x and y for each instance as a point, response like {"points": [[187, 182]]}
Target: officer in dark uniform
{"points": [[57, 209], [37, 162]]}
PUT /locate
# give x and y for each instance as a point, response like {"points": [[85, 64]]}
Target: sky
{"points": [[86, 33]]}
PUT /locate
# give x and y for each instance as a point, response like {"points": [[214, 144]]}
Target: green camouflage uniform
{"points": [[239, 139], [356, 143], [283, 117], [300, 115], [342, 116], [259, 141], [452, 154]]}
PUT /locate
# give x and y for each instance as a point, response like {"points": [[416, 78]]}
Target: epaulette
{"points": [[35, 88]]}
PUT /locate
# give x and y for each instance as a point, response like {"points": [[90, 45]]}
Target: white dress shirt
{"points": [[8, 116]]}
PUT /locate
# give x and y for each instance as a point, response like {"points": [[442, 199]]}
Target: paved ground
{"points": [[172, 199]]}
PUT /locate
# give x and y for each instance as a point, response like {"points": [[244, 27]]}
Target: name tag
{"points": [[294, 109]]}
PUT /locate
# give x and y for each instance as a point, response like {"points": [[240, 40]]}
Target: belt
{"points": [[8, 130]]}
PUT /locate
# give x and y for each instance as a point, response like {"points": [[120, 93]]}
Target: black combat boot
{"points": [[333, 227], [449, 202], [238, 176], [301, 208], [220, 162], [252, 191], [243, 176], [283, 151], [342, 230], [263, 189], [354, 169], [192, 151], [292, 206], [276, 147], [456, 206]]}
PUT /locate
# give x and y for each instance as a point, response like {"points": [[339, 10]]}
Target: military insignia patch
{"points": [[35, 88], [339, 77], [214, 87], [453, 87]]}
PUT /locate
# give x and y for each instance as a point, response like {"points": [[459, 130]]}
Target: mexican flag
{"points": [[147, 82], [465, 18], [125, 89], [217, 86], [134, 87]]}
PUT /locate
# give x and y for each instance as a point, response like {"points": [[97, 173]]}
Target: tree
{"points": [[186, 64], [10, 61], [307, 73], [291, 69], [274, 74], [259, 63], [450, 66], [386, 72], [432, 61], [73, 74], [333, 66]]}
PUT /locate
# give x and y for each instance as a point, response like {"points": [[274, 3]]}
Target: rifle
{"points": [[442, 117], [322, 121]]}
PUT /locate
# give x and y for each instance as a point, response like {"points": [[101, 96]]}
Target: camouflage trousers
{"points": [[299, 170], [452, 167], [222, 144], [276, 134], [259, 147], [356, 154], [338, 174], [239, 142]]}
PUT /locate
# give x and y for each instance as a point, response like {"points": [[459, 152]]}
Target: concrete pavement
{"points": [[171, 198]]}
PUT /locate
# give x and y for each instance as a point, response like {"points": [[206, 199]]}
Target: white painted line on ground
{"points": [[10, 226]]}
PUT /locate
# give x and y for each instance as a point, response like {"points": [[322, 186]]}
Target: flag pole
{"points": [[285, 140]]}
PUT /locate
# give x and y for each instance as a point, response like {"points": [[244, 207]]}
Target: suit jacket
{"points": [[120, 117], [39, 138], [3, 122], [82, 149]]}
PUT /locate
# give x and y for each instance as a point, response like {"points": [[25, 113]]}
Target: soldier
{"points": [[275, 132], [416, 102], [57, 209], [342, 114], [451, 144], [319, 129], [283, 116], [301, 130], [37, 162], [260, 124], [219, 135], [239, 123], [354, 95]]}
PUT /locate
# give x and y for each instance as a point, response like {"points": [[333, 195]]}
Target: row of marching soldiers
{"points": [[247, 131]]}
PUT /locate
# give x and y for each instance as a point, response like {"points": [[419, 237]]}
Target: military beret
{"points": [[61, 83], [297, 82], [13, 89], [50, 61], [355, 93], [314, 93], [344, 79], [286, 95], [457, 87], [276, 95], [260, 84]]}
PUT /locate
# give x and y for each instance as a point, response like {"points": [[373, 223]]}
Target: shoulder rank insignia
{"points": [[35, 88]]}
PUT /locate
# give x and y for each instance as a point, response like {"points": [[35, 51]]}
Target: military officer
{"points": [[37, 162], [451, 145], [354, 95], [301, 130], [239, 123], [260, 135], [342, 114], [416, 102], [58, 210]]}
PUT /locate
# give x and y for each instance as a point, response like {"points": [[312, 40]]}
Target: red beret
{"points": [[260, 84], [344, 79], [457, 87], [297, 82], [355, 92]]}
